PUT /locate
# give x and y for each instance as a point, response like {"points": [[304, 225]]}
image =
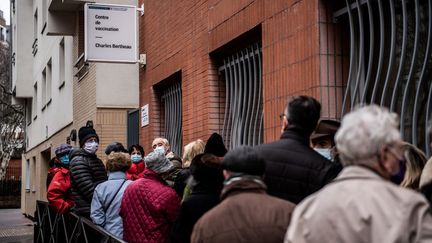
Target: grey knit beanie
{"points": [[157, 162]]}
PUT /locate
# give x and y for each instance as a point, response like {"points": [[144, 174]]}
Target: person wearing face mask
{"points": [[294, 170], [323, 138], [162, 145], [136, 170], [59, 193], [362, 204], [87, 170]]}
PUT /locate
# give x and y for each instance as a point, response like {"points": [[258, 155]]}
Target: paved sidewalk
{"points": [[14, 227]]}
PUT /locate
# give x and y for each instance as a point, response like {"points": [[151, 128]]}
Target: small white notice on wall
{"points": [[110, 33], [145, 115]]}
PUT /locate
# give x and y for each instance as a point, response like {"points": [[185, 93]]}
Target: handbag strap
{"points": [[115, 194]]}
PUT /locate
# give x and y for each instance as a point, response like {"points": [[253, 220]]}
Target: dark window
{"points": [[169, 111], [390, 61], [243, 117]]}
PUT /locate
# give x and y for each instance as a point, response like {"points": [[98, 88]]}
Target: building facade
{"points": [[60, 90], [236, 63], [230, 66]]}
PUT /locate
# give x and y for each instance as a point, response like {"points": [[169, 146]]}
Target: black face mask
{"points": [[398, 178]]}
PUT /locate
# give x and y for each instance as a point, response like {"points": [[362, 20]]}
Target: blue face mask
{"points": [[326, 153], [64, 159], [160, 150], [136, 158]]}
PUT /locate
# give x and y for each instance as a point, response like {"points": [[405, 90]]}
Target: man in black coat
{"points": [[293, 169], [87, 170]]}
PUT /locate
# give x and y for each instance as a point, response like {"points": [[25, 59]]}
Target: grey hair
{"points": [[363, 132], [164, 141]]}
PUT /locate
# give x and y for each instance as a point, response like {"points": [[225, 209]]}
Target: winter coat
{"points": [[136, 171], [110, 191], [181, 181], [359, 206], [87, 171], [148, 209], [293, 169], [425, 184], [59, 192], [202, 199], [51, 173], [246, 214], [171, 176]]}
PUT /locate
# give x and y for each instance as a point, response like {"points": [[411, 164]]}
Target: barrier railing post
{"points": [[53, 227]]}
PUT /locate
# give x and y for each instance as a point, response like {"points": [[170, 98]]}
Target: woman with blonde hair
{"points": [[414, 164], [107, 197], [191, 150]]}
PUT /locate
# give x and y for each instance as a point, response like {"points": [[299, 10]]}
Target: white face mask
{"points": [[325, 152], [160, 149], [91, 147]]}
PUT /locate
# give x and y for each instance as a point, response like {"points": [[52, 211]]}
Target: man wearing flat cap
{"points": [[247, 213]]}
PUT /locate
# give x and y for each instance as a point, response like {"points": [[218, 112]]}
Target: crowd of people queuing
{"points": [[322, 181]]}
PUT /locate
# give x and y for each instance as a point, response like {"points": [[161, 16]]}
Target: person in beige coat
{"points": [[361, 204]]}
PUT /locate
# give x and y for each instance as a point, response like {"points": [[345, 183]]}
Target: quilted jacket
{"points": [[149, 207], [87, 171], [293, 169], [59, 192], [136, 171]]}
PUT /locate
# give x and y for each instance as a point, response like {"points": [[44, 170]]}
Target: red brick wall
{"points": [[180, 34]]}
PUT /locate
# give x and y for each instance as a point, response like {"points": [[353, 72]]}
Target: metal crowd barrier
{"points": [[53, 227]]}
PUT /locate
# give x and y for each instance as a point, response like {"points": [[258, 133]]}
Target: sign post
{"points": [[110, 33]]}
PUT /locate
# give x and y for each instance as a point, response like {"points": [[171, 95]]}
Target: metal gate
{"points": [[172, 103], [390, 61], [132, 127], [243, 118]]}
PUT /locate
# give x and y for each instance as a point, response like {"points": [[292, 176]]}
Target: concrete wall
{"points": [[117, 85], [39, 170], [22, 40]]}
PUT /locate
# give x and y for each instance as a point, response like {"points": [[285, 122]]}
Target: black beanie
{"points": [[244, 160], [215, 146], [85, 133]]}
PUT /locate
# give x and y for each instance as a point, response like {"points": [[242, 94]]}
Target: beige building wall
{"points": [[38, 159], [103, 94]]}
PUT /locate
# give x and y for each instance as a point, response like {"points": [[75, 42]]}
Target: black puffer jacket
{"points": [[293, 169], [87, 171]]}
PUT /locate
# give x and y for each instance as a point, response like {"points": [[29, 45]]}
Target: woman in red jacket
{"points": [[59, 191], [137, 168]]}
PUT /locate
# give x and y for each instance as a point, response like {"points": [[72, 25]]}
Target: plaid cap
{"points": [[63, 149]]}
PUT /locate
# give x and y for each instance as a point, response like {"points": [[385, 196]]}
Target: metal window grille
{"points": [[243, 118], [172, 103], [390, 61]]}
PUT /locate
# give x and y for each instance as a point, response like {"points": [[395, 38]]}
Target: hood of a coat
{"points": [[241, 184]]}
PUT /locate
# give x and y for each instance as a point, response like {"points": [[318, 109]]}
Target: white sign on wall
{"points": [[110, 33], [145, 115]]}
